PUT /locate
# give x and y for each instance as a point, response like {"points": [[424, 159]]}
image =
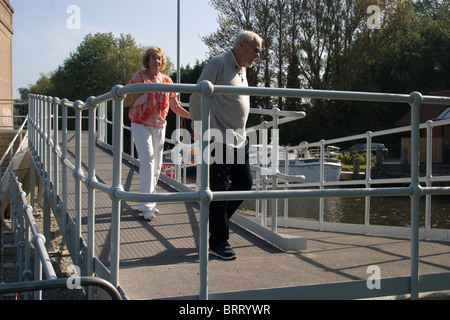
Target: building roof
{"points": [[428, 111]]}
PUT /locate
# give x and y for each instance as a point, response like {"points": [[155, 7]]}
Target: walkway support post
{"points": [[78, 107], [116, 184], [417, 100], [91, 192], [205, 192]]}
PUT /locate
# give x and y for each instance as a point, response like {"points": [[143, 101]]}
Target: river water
{"points": [[391, 211]]}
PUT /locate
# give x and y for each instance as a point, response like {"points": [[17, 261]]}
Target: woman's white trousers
{"points": [[149, 142]]}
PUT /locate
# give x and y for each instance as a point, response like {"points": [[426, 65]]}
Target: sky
{"points": [[47, 31]]}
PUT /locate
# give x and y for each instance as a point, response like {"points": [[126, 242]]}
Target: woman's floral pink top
{"points": [[154, 110]]}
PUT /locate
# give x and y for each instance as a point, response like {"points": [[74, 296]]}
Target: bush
{"points": [[347, 159]]}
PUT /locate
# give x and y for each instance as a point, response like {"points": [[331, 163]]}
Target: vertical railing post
{"points": [[104, 108], [42, 126], [417, 100], [78, 107], [32, 145], [46, 171], [18, 213], [205, 193], [286, 183], [27, 271], [321, 182], [56, 208], [38, 121], [275, 162], [48, 142], [429, 174], [178, 119], [91, 192], [102, 124], [64, 168], [368, 178], [37, 275], [116, 183], [264, 202]]}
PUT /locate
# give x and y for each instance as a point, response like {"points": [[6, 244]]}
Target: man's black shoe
{"points": [[224, 251]]}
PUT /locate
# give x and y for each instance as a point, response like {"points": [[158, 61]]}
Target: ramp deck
{"points": [[159, 259]]}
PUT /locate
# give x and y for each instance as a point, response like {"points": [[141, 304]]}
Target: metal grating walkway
{"points": [[160, 259]]}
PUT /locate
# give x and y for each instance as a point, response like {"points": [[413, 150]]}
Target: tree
{"points": [[189, 74], [264, 24], [99, 63], [42, 86], [325, 44], [293, 78], [317, 31], [419, 59]]}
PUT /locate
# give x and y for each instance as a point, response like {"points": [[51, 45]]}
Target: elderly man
{"points": [[230, 169]]}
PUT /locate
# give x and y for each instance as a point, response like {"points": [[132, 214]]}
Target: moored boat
{"points": [[301, 161]]}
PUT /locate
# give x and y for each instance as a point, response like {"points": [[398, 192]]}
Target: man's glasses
{"points": [[256, 50]]}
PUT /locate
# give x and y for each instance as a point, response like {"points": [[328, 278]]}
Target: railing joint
{"points": [[416, 190], [416, 97], [36, 237], [89, 103], [206, 88], [114, 93], [112, 191], [89, 181], [206, 196], [79, 105]]}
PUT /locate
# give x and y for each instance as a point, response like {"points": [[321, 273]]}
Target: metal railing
{"points": [[38, 286], [26, 234], [45, 149], [25, 228], [427, 179], [19, 137]]}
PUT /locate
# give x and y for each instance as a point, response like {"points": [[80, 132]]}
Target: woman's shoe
{"points": [[149, 215]]}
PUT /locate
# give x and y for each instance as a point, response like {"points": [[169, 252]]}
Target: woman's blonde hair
{"points": [[152, 51]]}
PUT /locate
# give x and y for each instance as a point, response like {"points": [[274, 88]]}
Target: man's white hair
{"points": [[247, 36]]}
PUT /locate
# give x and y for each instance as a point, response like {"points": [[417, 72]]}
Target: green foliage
{"points": [[99, 63], [188, 74], [327, 45], [42, 86], [347, 159], [419, 59]]}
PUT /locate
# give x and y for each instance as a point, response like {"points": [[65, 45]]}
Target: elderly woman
{"points": [[148, 114]]}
